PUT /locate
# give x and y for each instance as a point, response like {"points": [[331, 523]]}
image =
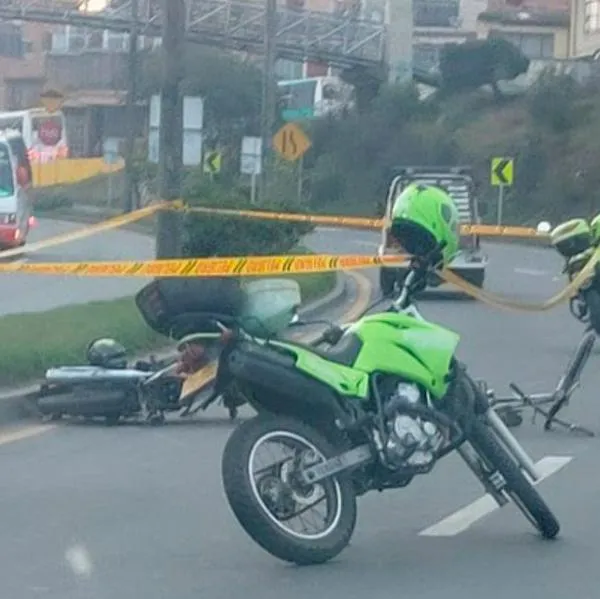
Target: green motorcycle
{"points": [[577, 240], [381, 405]]}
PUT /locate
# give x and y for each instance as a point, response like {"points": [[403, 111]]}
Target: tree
{"points": [[470, 65], [230, 86]]}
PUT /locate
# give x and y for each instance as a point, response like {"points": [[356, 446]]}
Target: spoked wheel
{"points": [[517, 487], [299, 523]]}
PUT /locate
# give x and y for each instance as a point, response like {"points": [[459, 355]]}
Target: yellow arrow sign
{"points": [[212, 163], [291, 142], [502, 171]]}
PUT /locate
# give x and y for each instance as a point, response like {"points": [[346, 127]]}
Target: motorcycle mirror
{"points": [[543, 228]]}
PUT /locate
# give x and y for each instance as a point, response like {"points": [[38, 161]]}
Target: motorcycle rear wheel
{"points": [[518, 487], [255, 505]]}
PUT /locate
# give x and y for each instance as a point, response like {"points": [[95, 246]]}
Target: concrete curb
{"points": [[18, 404]]}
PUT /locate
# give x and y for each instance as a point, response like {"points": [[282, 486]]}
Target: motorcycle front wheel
{"points": [[271, 503], [518, 487]]}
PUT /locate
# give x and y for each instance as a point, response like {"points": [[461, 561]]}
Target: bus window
{"points": [[47, 130], [298, 98], [12, 122], [7, 187], [48, 137]]}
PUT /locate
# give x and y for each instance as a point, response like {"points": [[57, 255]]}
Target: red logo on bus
{"points": [[50, 132]]}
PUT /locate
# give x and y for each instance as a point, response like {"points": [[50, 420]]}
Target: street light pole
{"points": [[130, 179], [170, 162], [268, 92]]}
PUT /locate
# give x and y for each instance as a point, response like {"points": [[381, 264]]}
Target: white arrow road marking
{"points": [[532, 272], [464, 518]]}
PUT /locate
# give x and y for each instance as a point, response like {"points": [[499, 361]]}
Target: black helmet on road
{"points": [[107, 353]]}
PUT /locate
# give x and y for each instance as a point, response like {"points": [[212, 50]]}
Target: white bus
{"points": [[44, 133], [314, 97]]}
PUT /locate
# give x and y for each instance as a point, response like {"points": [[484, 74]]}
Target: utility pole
{"points": [[130, 178], [170, 162], [269, 97]]}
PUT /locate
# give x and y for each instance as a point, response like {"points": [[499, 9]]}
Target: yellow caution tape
{"points": [[496, 231], [87, 231], [271, 265], [317, 219], [353, 222], [259, 266], [509, 304]]}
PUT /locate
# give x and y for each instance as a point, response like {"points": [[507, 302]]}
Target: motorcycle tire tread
{"points": [[485, 442], [236, 482]]}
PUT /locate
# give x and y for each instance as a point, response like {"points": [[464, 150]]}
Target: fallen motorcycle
{"points": [[381, 405], [114, 390], [576, 240], [108, 387]]}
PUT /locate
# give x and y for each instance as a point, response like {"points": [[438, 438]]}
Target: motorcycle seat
{"points": [[344, 352]]}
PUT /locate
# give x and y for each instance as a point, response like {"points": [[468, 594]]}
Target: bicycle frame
{"points": [[556, 399]]}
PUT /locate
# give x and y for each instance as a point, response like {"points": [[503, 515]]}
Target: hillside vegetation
{"points": [[552, 133]]}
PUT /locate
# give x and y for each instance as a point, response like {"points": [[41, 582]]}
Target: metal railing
{"points": [[236, 25]]}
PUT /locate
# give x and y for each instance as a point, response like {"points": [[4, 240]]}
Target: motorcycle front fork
{"points": [[510, 443]]}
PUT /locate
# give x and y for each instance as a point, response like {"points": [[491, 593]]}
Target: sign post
{"points": [[502, 174], [292, 143], [251, 162], [110, 150]]}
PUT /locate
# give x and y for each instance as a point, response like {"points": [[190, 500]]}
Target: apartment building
{"points": [[584, 35], [540, 28], [293, 70], [438, 22]]}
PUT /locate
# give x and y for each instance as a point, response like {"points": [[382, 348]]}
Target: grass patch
{"points": [[31, 343]]}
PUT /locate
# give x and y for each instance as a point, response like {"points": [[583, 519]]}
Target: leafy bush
{"points": [[472, 64], [353, 158], [229, 236], [551, 101]]}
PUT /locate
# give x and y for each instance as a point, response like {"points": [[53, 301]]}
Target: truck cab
{"points": [[470, 261]]}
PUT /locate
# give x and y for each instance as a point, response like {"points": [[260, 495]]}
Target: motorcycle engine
{"points": [[412, 441]]}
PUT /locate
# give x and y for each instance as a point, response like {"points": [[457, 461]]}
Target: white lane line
{"points": [[532, 272], [462, 519], [24, 433]]}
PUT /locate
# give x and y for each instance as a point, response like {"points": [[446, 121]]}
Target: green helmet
{"points": [[423, 217]]}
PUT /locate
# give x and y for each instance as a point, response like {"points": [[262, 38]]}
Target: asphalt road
{"points": [[36, 293], [98, 513]]}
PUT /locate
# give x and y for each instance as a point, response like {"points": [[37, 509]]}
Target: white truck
{"points": [[470, 262]]}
